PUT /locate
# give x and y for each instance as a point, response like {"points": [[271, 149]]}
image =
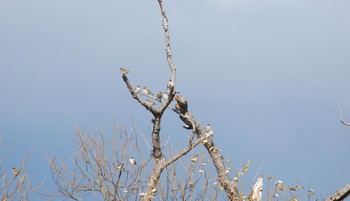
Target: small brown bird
{"points": [[177, 97], [132, 161], [4, 198], [146, 91], [292, 188], [159, 96], [228, 170], [194, 158], [15, 171], [170, 83], [124, 71], [311, 192], [137, 89], [154, 190], [120, 167], [165, 96], [150, 102], [177, 107], [209, 130]]}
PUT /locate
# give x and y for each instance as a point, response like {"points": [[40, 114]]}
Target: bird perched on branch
{"points": [[165, 96], [170, 83], [15, 171], [137, 89], [159, 96], [177, 107], [182, 103], [194, 158], [124, 71], [182, 107], [209, 130], [146, 91], [132, 161], [150, 102], [120, 167]]}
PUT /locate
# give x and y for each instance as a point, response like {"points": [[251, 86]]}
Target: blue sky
{"points": [[270, 76]]}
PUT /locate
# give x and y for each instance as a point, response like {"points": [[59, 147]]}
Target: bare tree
{"points": [[103, 168], [122, 175], [157, 105], [124, 167], [118, 168]]}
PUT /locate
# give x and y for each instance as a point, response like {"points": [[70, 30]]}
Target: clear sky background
{"points": [[270, 76]]}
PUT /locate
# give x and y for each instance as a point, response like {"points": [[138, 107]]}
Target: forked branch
{"points": [[163, 100], [204, 135]]}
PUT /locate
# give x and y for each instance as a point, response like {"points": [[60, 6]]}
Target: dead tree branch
{"points": [[149, 105], [203, 135], [102, 168], [228, 185], [340, 194]]}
